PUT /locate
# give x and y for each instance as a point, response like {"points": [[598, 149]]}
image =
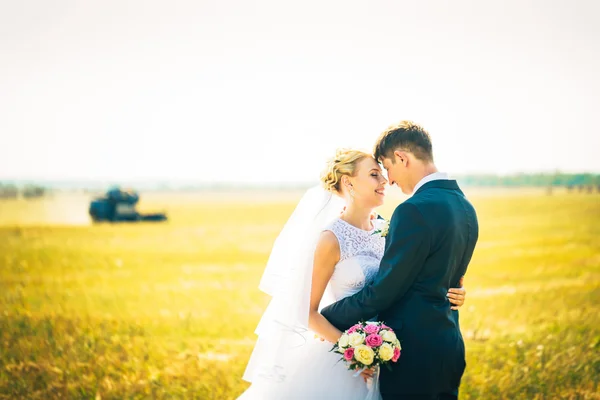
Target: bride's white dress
{"points": [[318, 373]]}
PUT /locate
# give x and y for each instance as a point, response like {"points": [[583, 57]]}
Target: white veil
{"points": [[283, 328]]}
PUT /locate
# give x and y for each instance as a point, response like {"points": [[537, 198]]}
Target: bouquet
{"points": [[368, 344]]}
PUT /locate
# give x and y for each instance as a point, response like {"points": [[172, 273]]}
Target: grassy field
{"points": [[168, 310]]}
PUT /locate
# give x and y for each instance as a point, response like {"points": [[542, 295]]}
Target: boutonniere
{"points": [[382, 226]]}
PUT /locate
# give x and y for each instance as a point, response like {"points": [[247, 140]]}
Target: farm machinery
{"points": [[119, 206]]}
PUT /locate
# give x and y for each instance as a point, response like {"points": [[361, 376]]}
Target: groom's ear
{"points": [[401, 157]]}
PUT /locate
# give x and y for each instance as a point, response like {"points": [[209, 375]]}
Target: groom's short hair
{"points": [[406, 136]]}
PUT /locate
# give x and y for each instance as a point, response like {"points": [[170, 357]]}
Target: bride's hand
{"points": [[368, 373], [322, 339], [457, 295]]}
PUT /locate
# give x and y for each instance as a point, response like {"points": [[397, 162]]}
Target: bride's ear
{"points": [[346, 182]]}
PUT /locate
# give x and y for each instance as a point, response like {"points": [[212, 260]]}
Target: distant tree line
{"points": [[539, 180], [585, 182], [11, 191]]}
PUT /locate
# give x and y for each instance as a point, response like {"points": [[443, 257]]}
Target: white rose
{"points": [[386, 352], [383, 226], [380, 223], [388, 336], [356, 339], [344, 340], [397, 344], [364, 354]]}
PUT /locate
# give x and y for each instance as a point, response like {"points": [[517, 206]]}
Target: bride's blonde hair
{"points": [[345, 162]]}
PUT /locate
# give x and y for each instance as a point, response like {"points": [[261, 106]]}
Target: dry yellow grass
{"points": [[168, 310]]}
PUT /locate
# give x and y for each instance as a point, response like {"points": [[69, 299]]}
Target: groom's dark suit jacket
{"points": [[430, 242]]}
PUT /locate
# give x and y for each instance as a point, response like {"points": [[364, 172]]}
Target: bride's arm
{"points": [[327, 255]]}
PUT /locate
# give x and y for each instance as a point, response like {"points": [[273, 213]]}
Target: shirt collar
{"points": [[431, 177]]}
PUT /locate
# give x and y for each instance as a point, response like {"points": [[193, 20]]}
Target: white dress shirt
{"points": [[436, 176]]}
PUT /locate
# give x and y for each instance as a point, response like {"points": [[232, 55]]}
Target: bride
{"points": [[329, 249]]}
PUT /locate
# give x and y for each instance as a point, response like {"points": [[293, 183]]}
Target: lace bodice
{"points": [[360, 254]]}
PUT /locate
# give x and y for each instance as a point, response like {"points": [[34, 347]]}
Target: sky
{"points": [[266, 90]]}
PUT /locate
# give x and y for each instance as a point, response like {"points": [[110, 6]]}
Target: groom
{"points": [[429, 244]]}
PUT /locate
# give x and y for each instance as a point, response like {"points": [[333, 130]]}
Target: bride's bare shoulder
{"points": [[328, 247]]}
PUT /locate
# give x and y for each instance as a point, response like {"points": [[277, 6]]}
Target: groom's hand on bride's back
{"points": [[456, 296]]}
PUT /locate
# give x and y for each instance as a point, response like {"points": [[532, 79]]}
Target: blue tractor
{"points": [[119, 206]]}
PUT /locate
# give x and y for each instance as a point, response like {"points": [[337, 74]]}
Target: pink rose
{"points": [[353, 328], [349, 354], [374, 340], [384, 326], [396, 354], [371, 329]]}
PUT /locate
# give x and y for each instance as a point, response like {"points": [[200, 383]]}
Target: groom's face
{"points": [[396, 173]]}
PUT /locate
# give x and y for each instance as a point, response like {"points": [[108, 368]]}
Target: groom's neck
{"points": [[422, 171]]}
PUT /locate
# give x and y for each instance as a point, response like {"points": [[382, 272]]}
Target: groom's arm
{"points": [[406, 248]]}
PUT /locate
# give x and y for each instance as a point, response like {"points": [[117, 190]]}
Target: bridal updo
{"points": [[345, 162]]}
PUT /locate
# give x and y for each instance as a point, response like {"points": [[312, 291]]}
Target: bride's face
{"points": [[369, 183]]}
